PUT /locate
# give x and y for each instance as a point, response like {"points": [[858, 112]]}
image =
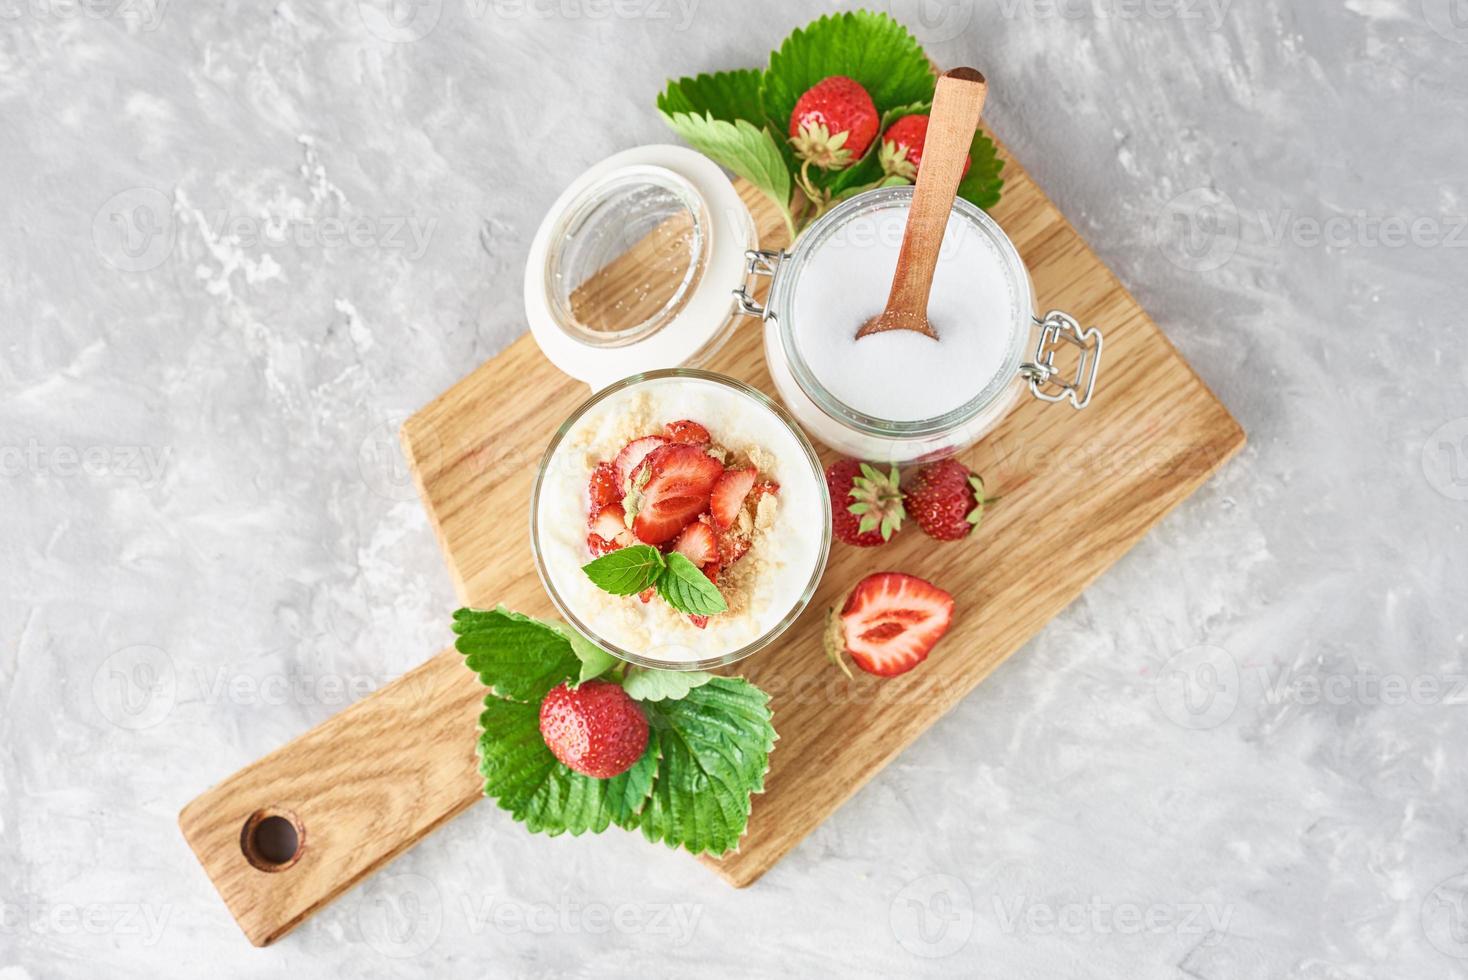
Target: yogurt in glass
{"points": [[788, 541]]}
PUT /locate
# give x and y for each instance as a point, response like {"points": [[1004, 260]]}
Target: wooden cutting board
{"points": [[1078, 488]]}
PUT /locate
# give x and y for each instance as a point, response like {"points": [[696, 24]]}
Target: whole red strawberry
{"points": [[866, 504], [946, 499], [901, 153], [833, 123], [595, 729]]}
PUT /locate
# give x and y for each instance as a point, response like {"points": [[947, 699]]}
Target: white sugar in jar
{"points": [[900, 396]]}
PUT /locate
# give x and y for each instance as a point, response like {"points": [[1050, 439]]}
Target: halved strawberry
{"points": [[697, 544], [605, 488], [888, 623], [633, 454], [686, 430], [670, 490], [608, 530], [729, 493]]}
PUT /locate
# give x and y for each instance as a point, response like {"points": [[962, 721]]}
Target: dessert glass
{"points": [[855, 434], [802, 524]]}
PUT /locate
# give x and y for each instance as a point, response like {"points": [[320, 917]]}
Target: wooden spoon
{"points": [[957, 105]]}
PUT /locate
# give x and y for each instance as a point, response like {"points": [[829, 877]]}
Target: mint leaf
{"points": [[871, 48], [648, 684], [715, 745], [523, 777], [515, 656], [627, 571], [726, 95], [740, 146], [982, 184], [689, 590]]}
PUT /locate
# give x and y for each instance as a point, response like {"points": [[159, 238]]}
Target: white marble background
{"points": [[208, 545]]}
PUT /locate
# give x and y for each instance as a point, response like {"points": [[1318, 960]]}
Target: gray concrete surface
{"points": [[1238, 756]]}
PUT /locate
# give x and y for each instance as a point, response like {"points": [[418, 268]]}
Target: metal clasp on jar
{"points": [[758, 262], [1045, 378]]}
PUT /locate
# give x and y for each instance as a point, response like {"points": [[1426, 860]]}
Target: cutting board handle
{"points": [[284, 836]]}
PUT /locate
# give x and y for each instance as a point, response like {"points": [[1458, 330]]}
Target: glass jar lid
{"points": [[634, 267]]}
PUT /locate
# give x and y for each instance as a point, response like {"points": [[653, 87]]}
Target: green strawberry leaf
{"points": [[715, 744], [515, 656], [689, 590], [648, 684], [726, 95], [628, 793], [982, 184], [871, 48], [594, 660], [741, 146], [523, 777], [626, 571]]}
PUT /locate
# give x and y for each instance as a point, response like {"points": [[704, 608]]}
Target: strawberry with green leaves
{"points": [[901, 152], [572, 740], [833, 123], [946, 499], [866, 504]]}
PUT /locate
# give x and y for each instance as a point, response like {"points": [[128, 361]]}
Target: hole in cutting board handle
{"points": [[272, 839]]}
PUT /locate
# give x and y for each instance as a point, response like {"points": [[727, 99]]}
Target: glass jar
{"points": [[636, 264], [791, 554], [862, 436]]}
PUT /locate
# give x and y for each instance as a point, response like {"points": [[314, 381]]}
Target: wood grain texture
{"points": [[1079, 490]]}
